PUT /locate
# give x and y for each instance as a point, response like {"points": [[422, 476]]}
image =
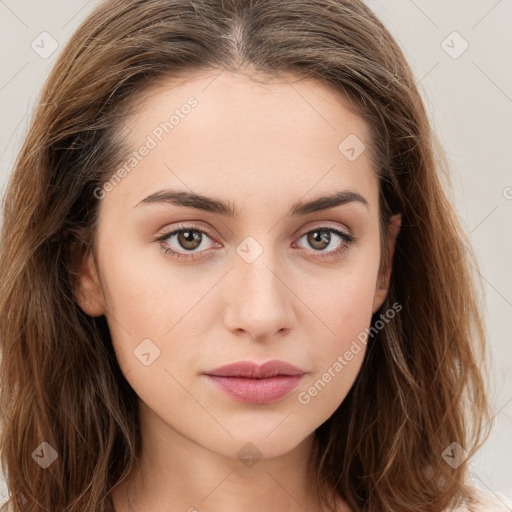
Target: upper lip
{"points": [[250, 369]]}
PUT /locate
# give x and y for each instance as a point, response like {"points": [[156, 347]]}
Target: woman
{"points": [[230, 274]]}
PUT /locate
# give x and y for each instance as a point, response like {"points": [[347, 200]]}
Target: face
{"points": [[258, 269]]}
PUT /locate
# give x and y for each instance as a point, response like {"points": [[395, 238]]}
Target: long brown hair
{"points": [[421, 385]]}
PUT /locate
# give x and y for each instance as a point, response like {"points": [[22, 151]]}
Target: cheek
{"points": [[157, 313], [337, 361], [145, 293], [344, 304], [341, 299]]}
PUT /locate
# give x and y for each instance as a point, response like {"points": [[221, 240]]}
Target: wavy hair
{"points": [[422, 383]]}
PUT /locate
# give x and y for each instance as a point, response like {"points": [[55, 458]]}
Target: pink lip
{"points": [[249, 382]]}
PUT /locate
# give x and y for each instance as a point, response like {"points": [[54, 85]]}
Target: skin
{"points": [[261, 147]]}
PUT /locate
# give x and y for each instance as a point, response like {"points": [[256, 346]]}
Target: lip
{"points": [[248, 382]]}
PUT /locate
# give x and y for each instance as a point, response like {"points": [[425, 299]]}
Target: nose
{"points": [[258, 300]]}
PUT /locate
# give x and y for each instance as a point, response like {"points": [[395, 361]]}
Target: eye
{"points": [[323, 237], [185, 242], [189, 242]]}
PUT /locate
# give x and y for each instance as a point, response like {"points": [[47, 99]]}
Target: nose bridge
{"points": [[261, 301]]}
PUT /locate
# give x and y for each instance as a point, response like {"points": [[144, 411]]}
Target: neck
{"points": [[174, 472]]}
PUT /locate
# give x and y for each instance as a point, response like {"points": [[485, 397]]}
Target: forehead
{"points": [[243, 134], [235, 98]]}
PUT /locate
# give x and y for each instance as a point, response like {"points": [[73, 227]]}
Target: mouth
{"points": [[248, 382]]}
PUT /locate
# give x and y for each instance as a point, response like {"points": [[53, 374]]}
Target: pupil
{"points": [[189, 239], [320, 239]]}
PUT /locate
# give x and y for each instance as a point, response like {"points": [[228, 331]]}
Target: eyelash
{"points": [[348, 241]]}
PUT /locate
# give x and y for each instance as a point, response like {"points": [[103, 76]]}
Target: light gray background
{"points": [[470, 103]]}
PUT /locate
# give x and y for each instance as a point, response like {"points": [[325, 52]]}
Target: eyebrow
{"points": [[219, 207]]}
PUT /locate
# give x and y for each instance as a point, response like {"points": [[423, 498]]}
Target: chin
{"points": [[260, 442]]}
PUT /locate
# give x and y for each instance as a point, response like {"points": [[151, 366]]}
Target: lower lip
{"points": [[256, 391]]}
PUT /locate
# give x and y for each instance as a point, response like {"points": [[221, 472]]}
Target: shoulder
{"points": [[485, 502]]}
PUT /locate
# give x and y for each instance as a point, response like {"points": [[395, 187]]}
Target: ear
{"points": [[89, 292], [382, 286]]}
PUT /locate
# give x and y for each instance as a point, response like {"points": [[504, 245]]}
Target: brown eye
{"points": [[186, 242], [189, 239], [319, 239]]}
